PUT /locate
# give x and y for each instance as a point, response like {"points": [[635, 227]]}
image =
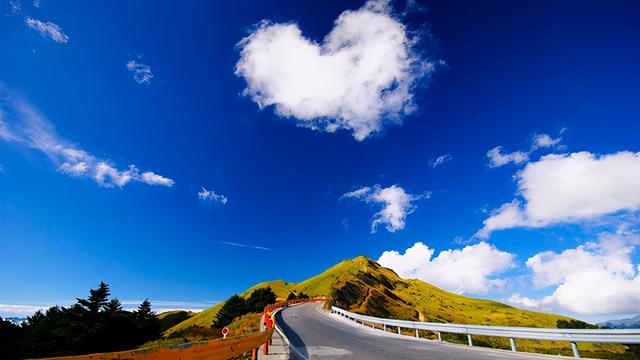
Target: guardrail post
{"points": [[470, 341], [439, 336], [254, 354], [384, 327], [574, 347], [399, 330], [513, 344], [418, 336], [373, 325]]}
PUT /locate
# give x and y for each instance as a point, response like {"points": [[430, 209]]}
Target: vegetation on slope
{"points": [[363, 286], [171, 318]]}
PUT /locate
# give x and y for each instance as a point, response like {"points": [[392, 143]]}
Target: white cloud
{"points": [[541, 141], [22, 124], [441, 160], [594, 278], [207, 195], [36, 3], [498, 158], [141, 73], [152, 178], [396, 205], [570, 188], [361, 77], [472, 269], [48, 30]]}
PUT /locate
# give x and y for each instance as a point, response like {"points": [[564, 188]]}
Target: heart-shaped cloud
{"points": [[360, 77]]}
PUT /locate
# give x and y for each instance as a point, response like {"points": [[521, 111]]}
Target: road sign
{"points": [[225, 331]]}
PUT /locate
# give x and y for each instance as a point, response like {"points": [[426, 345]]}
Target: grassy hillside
{"points": [[363, 286], [171, 318]]}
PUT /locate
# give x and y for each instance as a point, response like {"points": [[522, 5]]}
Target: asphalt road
{"points": [[318, 335]]}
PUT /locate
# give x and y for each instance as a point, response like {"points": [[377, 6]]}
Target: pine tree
{"points": [[144, 310], [97, 298], [113, 306], [232, 308], [260, 298]]}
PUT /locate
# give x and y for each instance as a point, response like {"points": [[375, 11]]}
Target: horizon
{"points": [[186, 151]]}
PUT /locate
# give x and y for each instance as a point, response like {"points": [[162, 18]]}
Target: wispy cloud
{"points": [[22, 124], [441, 160], [497, 157], [36, 3], [141, 73], [14, 5], [244, 245], [47, 30], [210, 195]]}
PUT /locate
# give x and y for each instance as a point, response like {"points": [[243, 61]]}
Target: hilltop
{"points": [[363, 286]]}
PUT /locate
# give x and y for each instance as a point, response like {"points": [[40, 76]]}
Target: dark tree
{"points": [[11, 338], [97, 298], [113, 306], [147, 322], [292, 296], [234, 306], [95, 324], [144, 310], [574, 324], [302, 295], [260, 298]]}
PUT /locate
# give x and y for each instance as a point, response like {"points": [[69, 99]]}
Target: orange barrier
{"points": [[211, 349], [203, 350]]}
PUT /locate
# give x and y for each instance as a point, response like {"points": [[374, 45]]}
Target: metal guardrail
{"points": [[620, 336]]}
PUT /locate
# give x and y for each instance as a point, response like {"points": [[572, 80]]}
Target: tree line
{"points": [[94, 324], [237, 306]]}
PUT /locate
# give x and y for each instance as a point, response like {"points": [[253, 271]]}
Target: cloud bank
{"points": [[472, 269], [360, 77], [569, 188], [595, 278], [21, 124], [396, 205]]}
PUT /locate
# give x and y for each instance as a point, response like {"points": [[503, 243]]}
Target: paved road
{"points": [[317, 335]]}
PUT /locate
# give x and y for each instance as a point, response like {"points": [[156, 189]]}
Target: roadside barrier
{"points": [[619, 336], [202, 350]]}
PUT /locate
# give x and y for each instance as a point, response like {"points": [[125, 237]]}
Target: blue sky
{"points": [[277, 156]]}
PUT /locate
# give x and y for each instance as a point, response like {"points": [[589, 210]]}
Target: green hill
{"points": [[363, 286], [171, 318]]}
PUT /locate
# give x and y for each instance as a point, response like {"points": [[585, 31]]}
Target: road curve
{"points": [[314, 334]]}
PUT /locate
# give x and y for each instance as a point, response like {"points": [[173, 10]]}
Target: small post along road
{"points": [[315, 334]]}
